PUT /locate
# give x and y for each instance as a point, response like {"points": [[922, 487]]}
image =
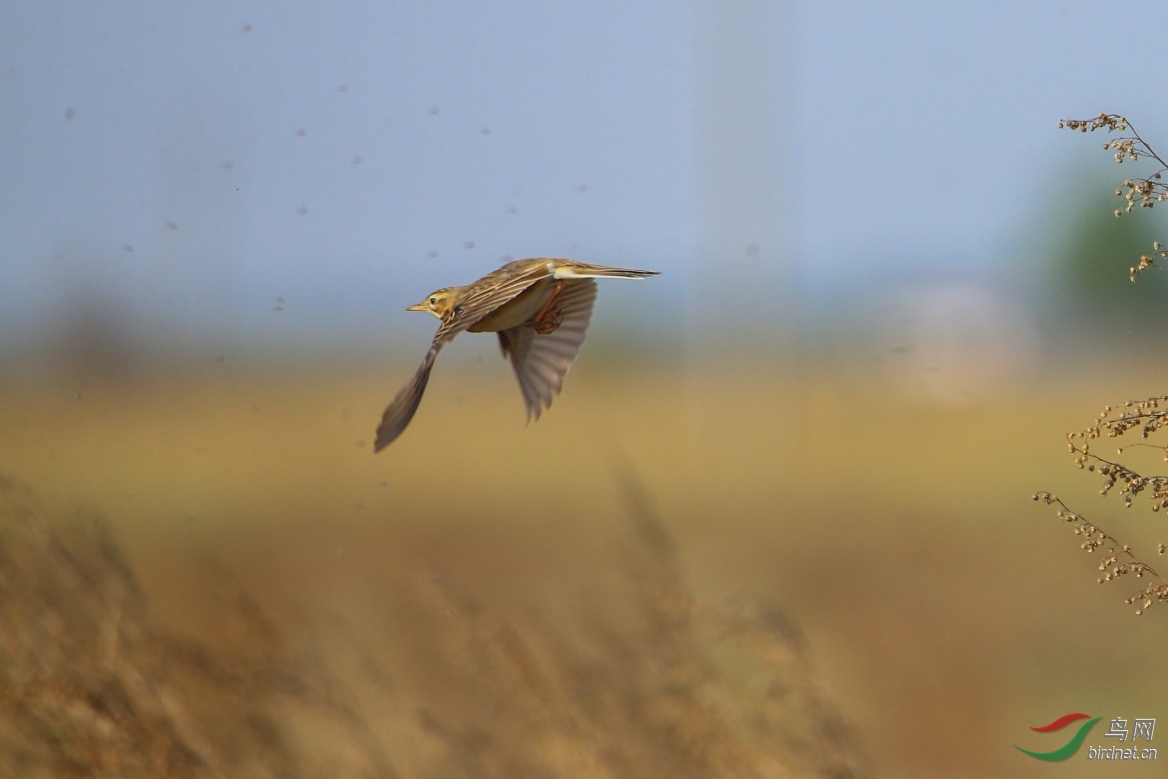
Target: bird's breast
{"points": [[517, 310]]}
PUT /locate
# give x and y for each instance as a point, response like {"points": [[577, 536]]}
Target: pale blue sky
{"points": [[296, 151]]}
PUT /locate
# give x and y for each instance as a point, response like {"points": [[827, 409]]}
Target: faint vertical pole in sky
{"points": [[198, 217], [741, 307]]}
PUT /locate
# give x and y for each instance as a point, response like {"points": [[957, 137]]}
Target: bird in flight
{"points": [[539, 307]]}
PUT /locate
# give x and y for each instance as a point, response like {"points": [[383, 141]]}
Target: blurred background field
{"points": [[927, 611]]}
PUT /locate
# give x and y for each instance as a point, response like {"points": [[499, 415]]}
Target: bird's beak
{"points": [[418, 307]]}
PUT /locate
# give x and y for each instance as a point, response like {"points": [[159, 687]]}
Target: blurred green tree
{"points": [[1093, 259]]}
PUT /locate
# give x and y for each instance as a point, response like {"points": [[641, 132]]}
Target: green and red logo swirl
{"points": [[1069, 748]]}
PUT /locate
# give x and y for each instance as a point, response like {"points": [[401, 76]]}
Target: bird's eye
{"points": [[433, 301]]}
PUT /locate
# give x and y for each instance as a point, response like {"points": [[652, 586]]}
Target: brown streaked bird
{"points": [[539, 307]]}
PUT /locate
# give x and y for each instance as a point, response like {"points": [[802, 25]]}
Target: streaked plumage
{"points": [[539, 307]]}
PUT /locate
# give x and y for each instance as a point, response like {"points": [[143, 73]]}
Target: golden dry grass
{"points": [[806, 575]]}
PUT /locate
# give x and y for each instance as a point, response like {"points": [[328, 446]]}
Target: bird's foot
{"points": [[549, 322]]}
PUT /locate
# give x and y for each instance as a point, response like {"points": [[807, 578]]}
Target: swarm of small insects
{"points": [[1145, 192]]}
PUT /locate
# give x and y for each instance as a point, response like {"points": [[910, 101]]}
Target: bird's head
{"points": [[439, 302]]}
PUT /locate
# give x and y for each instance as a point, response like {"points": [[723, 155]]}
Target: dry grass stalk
{"points": [[1146, 416], [1145, 192], [628, 679], [1118, 560], [90, 687]]}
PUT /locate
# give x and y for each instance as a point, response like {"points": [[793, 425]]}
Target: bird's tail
{"points": [[582, 270]]}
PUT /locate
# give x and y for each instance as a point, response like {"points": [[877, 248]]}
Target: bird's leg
{"points": [[550, 316]]}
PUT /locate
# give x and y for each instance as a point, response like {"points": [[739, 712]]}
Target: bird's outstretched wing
{"points": [[483, 297], [399, 413], [541, 361]]}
